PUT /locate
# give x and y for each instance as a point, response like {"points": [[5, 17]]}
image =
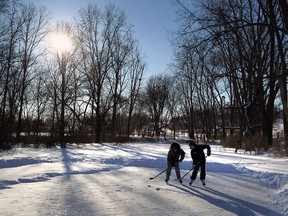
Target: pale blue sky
{"points": [[152, 20]]}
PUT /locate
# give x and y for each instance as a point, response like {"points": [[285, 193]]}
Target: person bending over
{"points": [[199, 161], [175, 155]]}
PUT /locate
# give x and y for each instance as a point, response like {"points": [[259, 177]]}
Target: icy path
{"points": [[117, 184], [126, 192]]}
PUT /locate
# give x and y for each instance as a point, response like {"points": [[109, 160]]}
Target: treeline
{"points": [[76, 81], [231, 59], [227, 80]]}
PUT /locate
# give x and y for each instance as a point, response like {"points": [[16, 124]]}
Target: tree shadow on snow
{"points": [[226, 202], [66, 161]]}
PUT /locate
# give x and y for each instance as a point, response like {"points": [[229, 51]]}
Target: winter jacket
{"points": [[197, 154], [174, 157]]}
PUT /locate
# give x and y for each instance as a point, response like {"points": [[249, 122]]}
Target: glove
{"points": [[208, 153], [180, 160]]}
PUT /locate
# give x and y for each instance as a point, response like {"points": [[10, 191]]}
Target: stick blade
{"points": [[151, 178]]}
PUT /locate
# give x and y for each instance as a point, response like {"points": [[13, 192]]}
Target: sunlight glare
{"points": [[61, 43]]}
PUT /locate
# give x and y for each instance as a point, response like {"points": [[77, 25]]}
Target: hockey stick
{"points": [[191, 169], [158, 175]]}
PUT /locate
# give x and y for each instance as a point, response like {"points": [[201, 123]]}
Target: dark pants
{"points": [[200, 166], [169, 168]]}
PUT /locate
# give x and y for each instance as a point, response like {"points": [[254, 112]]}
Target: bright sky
{"points": [[152, 20]]}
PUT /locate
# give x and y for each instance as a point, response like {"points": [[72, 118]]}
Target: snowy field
{"points": [[113, 180]]}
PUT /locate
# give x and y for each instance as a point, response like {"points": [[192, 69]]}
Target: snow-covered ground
{"points": [[107, 179]]}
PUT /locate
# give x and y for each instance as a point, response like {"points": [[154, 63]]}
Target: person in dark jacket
{"points": [[199, 161], [175, 155]]}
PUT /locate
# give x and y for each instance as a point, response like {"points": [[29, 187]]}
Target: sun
{"points": [[60, 43]]}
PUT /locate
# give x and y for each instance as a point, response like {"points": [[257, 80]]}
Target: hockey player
{"points": [[199, 161], [175, 155]]}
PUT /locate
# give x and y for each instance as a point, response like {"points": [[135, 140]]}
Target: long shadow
{"points": [[226, 202], [71, 193], [155, 160], [68, 170], [66, 161], [132, 151]]}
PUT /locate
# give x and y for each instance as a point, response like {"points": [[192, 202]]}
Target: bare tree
{"points": [[276, 15], [40, 101], [10, 30], [155, 101], [185, 71], [98, 88], [62, 47], [122, 47], [33, 30], [106, 42], [136, 70], [243, 36], [197, 84]]}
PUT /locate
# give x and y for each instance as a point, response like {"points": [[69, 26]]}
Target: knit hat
{"points": [[192, 143]]}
